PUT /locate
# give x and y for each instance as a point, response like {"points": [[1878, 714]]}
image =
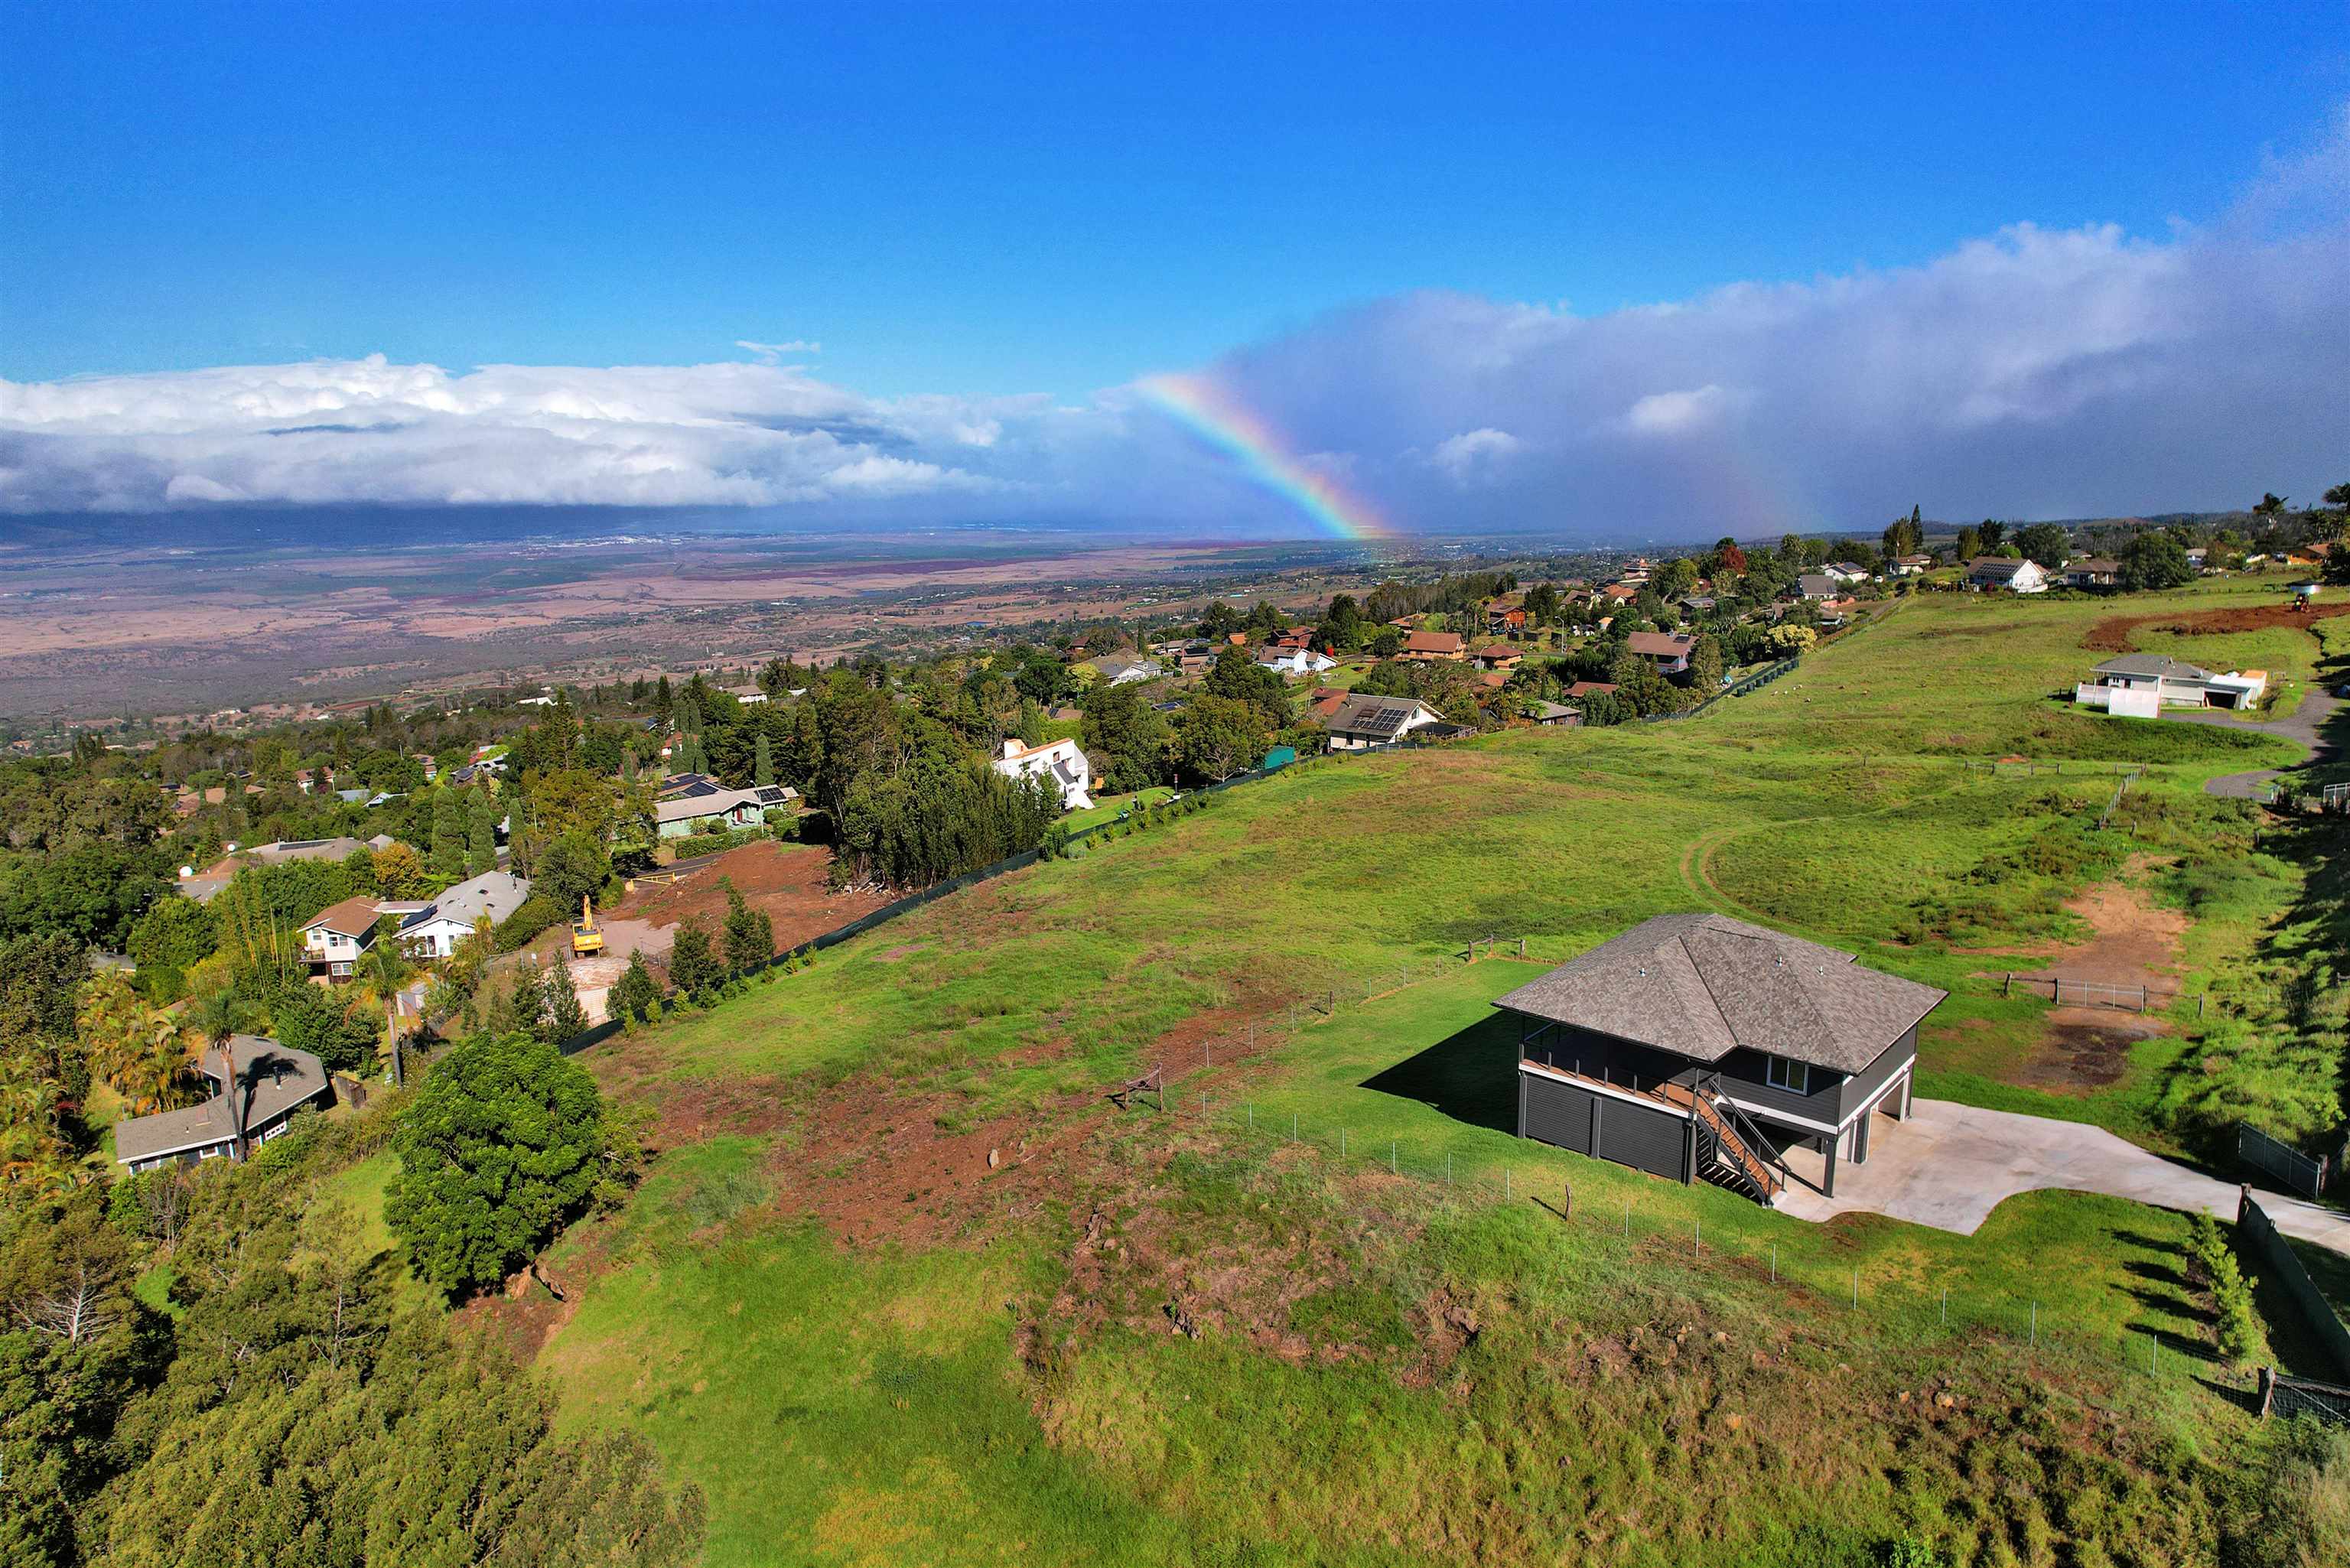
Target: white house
{"points": [[1295, 662], [336, 936], [1847, 571], [1990, 573], [2139, 685], [1127, 671], [1059, 765], [1912, 566], [434, 932]]}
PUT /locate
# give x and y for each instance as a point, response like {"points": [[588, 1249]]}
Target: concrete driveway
{"points": [[2317, 705], [1949, 1166]]}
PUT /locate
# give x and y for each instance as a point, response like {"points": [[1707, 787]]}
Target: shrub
{"points": [[536, 914]]}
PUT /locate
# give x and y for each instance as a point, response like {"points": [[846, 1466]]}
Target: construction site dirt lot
{"points": [[2112, 635]]}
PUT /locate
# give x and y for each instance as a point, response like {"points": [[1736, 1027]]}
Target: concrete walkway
{"points": [[1949, 1166], [2317, 705]]}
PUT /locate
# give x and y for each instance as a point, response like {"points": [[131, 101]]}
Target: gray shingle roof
{"points": [[2153, 664], [496, 894], [271, 1080], [1703, 985]]}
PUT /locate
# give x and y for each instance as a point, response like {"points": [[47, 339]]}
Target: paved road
{"points": [[2317, 705], [1949, 1166]]}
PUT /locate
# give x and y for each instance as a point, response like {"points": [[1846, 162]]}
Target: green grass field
{"points": [[1400, 1357]]}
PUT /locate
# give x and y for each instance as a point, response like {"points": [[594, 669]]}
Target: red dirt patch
{"points": [[786, 880], [2112, 635], [2135, 942]]}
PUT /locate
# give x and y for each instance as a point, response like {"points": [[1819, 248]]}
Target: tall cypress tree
{"points": [[482, 837], [448, 858], [762, 764]]}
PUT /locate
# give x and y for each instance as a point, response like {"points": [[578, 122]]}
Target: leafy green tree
{"points": [[174, 935], [749, 933], [2048, 543], [1238, 677], [762, 764], [322, 1022], [1970, 543], [694, 968], [501, 1146], [2153, 559], [481, 835], [572, 867], [1705, 665], [564, 1016], [635, 994], [1126, 734], [1217, 737], [448, 850]]}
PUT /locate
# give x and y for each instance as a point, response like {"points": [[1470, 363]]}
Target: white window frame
{"points": [[1784, 1073]]}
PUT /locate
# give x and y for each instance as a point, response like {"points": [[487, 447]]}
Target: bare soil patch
{"points": [[2112, 635], [786, 880], [2134, 944]]}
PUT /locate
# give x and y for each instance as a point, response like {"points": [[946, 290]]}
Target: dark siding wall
{"points": [[1747, 1073], [1557, 1113], [1563, 1114], [1882, 1071], [1599, 1056], [1643, 1140]]}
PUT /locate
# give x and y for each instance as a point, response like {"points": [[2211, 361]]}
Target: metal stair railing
{"points": [[1737, 1137]]}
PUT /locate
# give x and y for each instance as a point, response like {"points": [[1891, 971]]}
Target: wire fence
{"points": [[2294, 1170], [1951, 1312]]}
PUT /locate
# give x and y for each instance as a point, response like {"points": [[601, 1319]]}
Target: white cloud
{"points": [[1473, 457], [1669, 413], [769, 353], [2031, 372]]}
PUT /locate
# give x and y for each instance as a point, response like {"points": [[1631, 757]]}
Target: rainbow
{"points": [[1212, 413]]}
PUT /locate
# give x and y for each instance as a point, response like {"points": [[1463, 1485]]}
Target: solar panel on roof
{"points": [[770, 795]]}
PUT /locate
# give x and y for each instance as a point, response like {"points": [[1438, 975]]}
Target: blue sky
{"points": [[1051, 198], [1633, 274]]}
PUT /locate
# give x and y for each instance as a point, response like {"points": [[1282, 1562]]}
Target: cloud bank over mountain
{"points": [[2032, 372]]}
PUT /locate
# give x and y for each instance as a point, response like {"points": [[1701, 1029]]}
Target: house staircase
{"points": [[1730, 1151]]}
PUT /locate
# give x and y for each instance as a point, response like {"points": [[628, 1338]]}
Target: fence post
{"points": [[1392, 1169]]}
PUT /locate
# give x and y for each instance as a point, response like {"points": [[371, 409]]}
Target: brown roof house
{"points": [[1500, 656], [333, 939], [1699, 1047], [254, 1094], [1668, 651], [1427, 647]]}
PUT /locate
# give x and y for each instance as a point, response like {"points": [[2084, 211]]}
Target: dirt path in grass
{"points": [[2113, 634], [2133, 946]]}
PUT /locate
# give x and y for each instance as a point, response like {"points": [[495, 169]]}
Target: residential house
{"points": [[434, 930], [708, 806], [1636, 571], [1616, 594], [748, 696], [424, 760], [1293, 662], [1592, 689], [1910, 565], [336, 937], [1363, 721], [1848, 571], [2093, 572], [1988, 573], [1499, 656], [1430, 647], [203, 885], [1817, 586], [1121, 672], [1695, 1045], [2140, 685], [1059, 765], [1506, 614], [1556, 715], [256, 1093], [1668, 651]]}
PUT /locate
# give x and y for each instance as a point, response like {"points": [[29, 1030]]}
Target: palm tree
{"points": [[381, 971]]}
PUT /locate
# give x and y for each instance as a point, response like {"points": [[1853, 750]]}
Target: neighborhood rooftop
{"points": [[1703, 985], [270, 1080]]}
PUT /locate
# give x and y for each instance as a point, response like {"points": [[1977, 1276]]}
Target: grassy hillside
{"points": [[903, 1289]]}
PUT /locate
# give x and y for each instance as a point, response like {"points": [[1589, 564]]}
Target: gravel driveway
{"points": [[1949, 1166], [2317, 705]]}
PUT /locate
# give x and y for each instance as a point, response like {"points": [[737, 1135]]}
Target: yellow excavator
{"points": [[587, 937]]}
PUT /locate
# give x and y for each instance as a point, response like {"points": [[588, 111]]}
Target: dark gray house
{"points": [[1700, 1046], [266, 1084]]}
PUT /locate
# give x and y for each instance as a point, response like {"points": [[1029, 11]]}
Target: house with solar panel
{"points": [[1362, 721], [1702, 1048], [694, 803]]}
